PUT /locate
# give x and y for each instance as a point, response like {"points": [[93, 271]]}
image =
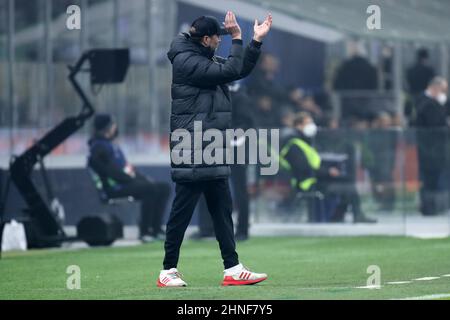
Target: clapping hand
{"points": [[232, 26], [261, 30]]}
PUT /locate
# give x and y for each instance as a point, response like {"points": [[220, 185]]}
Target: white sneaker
{"points": [[241, 276], [170, 278]]}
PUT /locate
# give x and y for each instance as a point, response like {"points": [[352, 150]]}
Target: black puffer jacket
{"points": [[199, 93]]}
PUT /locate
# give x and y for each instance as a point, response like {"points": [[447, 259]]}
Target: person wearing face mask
{"points": [[432, 137], [301, 159], [117, 178]]}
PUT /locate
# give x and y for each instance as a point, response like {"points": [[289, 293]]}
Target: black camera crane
{"points": [[44, 228]]}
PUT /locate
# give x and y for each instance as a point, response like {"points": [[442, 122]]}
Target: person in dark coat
{"points": [[353, 79], [300, 158], [241, 119], [266, 113], [200, 96], [432, 139], [117, 178], [420, 74], [418, 77], [263, 80]]}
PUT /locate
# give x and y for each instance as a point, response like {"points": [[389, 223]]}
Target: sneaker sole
{"points": [[161, 285], [242, 283]]}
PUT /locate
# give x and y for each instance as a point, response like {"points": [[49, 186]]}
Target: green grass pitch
{"points": [[298, 268]]}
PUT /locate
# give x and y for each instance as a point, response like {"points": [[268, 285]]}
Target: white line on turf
{"points": [[369, 287], [398, 282], [426, 278], [402, 282], [428, 297]]}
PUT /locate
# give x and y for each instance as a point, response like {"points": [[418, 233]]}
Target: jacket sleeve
{"points": [[201, 71], [251, 56], [101, 162]]}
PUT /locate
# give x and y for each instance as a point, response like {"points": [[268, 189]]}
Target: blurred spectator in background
{"points": [[354, 78], [300, 158], [117, 178], [262, 81], [266, 113], [420, 74], [387, 68], [302, 102], [432, 137], [287, 124], [341, 145], [418, 77], [383, 143], [242, 118]]}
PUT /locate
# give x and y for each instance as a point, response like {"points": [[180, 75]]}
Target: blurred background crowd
{"points": [[377, 97]]}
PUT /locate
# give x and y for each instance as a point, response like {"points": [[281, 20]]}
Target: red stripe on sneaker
{"points": [[248, 275], [160, 284], [229, 281]]}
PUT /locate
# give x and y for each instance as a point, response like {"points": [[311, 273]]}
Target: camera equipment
{"points": [[100, 230], [43, 226]]}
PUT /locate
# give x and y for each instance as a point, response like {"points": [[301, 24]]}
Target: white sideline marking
{"points": [[402, 282], [426, 279], [429, 297]]}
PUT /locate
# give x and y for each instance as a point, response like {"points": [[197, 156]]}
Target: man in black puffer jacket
{"points": [[200, 96]]}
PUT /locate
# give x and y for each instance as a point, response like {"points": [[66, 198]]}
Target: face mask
{"points": [[442, 98], [310, 130]]}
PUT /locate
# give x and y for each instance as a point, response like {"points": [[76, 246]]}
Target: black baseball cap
{"points": [[206, 26]]}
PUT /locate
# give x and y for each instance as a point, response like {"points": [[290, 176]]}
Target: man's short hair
{"points": [[301, 117], [437, 81]]}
